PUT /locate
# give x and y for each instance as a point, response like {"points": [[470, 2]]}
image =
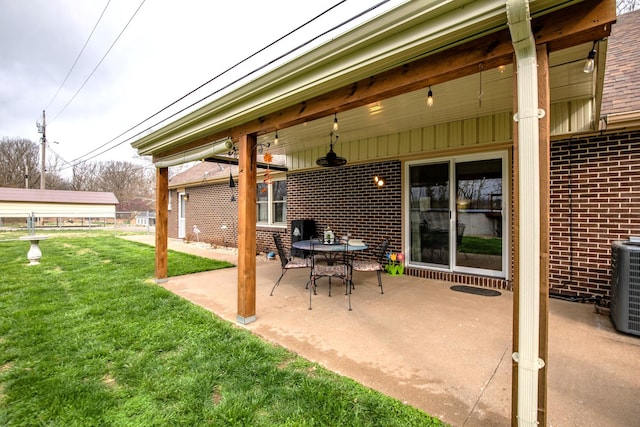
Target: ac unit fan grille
{"points": [[634, 291]]}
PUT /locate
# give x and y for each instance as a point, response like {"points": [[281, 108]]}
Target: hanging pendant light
{"points": [[331, 159], [430, 98], [590, 63], [232, 184]]}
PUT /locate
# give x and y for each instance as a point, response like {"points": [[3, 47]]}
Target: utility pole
{"points": [[26, 173], [42, 128]]}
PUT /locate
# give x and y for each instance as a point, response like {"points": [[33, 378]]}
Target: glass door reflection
{"points": [[430, 213], [479, 214]]}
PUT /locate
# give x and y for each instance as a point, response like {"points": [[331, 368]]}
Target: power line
{"points": [[79, 54], [99, 63], [227, 85], [198, 88]]}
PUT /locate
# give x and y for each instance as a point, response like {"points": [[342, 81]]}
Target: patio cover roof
{"points": [[356, 68]]}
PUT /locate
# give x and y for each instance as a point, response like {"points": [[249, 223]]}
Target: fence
{"points": [[122, 222]]}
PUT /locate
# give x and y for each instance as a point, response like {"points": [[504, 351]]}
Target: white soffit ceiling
{"points": [[455, 100]]}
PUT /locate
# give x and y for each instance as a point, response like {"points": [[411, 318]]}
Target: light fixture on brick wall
{"points": [[379, 181]]}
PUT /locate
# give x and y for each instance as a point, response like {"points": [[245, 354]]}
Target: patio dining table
{"points": [[331, 251], [334, 253]]}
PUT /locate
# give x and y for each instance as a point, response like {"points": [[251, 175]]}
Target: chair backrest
{"points": [[382, 251], [313, 253], [282, 254]]}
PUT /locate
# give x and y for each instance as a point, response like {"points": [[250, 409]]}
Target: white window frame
{"points": [[271, 207], [452, 160]]}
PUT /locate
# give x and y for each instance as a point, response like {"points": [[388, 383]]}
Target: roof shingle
{"points": [[57, 196], [621, 91]]}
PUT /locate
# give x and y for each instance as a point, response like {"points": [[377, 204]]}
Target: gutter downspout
{"points": [[527, 356], [217, 147]]}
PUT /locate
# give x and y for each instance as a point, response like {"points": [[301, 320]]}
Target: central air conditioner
{"points": [[625, 286]]}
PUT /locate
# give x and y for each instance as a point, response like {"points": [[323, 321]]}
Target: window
{"points": [[272, 203]]}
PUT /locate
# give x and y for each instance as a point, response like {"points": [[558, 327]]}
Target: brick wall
{"points": [[594, 200], [347, 200], [210, 208], [344, 198]]}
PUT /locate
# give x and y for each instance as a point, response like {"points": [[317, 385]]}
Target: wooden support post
{"points": [[544, 150], [247, 216], [162, 223]]}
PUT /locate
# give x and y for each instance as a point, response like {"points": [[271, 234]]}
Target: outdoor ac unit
{"points": [[625, 286]]}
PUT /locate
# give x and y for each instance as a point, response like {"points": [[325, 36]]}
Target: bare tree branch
{"points": [[19, 157]]}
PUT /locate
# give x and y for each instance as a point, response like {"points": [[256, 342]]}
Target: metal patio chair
{"points": [[339, 268], [287, 261], [376, 264]]}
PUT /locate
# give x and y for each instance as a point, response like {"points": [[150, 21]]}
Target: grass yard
{"points": [[479, 245], [88, 339]]}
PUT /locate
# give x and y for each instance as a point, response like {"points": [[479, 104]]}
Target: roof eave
{"points": [[412, 30]]}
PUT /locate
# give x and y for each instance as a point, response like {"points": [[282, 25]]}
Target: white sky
{"points": [[169, 48]]}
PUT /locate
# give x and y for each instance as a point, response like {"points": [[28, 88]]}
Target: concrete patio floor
{"points": [[445, 352]]}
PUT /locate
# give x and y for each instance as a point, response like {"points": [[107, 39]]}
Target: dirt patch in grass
{"points": [[85, 251], [109, 381], [216, 396]]}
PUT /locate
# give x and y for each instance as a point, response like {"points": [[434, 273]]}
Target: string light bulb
{"points": [[590, 63], [430, 98], [275, 140], [335, 123]]}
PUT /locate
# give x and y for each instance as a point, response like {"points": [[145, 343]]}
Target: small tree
{"points": [[19, 158]]}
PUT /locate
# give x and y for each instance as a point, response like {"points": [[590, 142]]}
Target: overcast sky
{"points": [[169, 48]]}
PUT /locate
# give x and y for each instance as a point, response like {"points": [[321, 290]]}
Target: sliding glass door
{"points": [[458, 226], [430, 213]]}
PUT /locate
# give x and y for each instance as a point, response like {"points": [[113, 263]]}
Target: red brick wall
{"points": [[595, 199], [344, 198], [347, 199], [209, 207]]}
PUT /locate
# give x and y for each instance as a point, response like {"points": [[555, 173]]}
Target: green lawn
{"points": [[88, 339], [479, 245]]}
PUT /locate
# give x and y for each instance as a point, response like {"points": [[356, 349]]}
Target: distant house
{"points": [[32, 203], [146, 219]]}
